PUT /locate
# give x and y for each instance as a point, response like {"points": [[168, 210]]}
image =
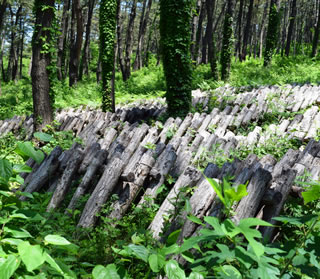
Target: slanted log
{"points": [[188, 179], [44, 173], [159, 172], [98, 160], [66, 179], [130, 190], [258, 185], [90, 152], [282, 185]]}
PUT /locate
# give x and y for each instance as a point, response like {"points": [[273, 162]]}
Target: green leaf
{"points": [[26, 150], [31, 255], [170, 250], [250, 234], [214, 222], [101, 272], [11, 241], [156, 262], [173, 270], [56, 240], [139, 251], [5, 170], [22, 233], [8, 267], [52, 263], [216, 187], [195, 219], [43, 137], [19, 216], [173, 237], [297, 221], [237, 194], [195, 275], [228, 272], [19, 168], [312, 193]]}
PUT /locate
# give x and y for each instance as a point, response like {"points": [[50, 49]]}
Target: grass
{"points": [[147, 83]]}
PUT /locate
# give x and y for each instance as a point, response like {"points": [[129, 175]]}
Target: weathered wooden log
{"points": [[44, 173], [130, 190], [188, 179], [90, 152], [98, 160], [66, 155], [287, 160], [282, 185], [101, 193], [66, 179], [159, 172], [258, 185]]}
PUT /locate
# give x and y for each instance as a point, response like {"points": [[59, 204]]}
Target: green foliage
{"points": [[272, 33], [107, 27], [175, 17], [227, 42]]}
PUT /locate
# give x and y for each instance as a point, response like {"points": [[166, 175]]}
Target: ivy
{"points": [[175, 17], [272, 34], [227, 43], [107, 21]]}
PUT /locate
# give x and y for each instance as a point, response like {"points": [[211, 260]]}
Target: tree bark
{"points": [[316, 35], [84, 64], [61, 55], [239, 23], [129, 37], [76, 43], [142, 31], [291, 25], [247, 31], [44, 14]]}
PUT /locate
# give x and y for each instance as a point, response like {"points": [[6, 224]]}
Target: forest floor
{"points": [[147, 83]]}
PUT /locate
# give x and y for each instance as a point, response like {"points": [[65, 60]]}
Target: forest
{"points": [[165, 139]]}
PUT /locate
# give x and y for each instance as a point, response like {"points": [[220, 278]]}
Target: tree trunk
{"points": [[142, 31], [291, 25], [239, 23], [22, 29], [227, 42], [13, 57], [76, 43], [247, 31], [107, 26], [210, 5], [84, 65], [273, 32], [194, 24], [41, 60], [262, 29], [61, 56], [316, 35], [129, 37], [202, 15]]}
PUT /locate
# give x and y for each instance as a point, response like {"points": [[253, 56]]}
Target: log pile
{"points": [[124, 157]]}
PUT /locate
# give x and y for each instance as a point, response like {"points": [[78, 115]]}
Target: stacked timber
{"points": [[133, 160]]}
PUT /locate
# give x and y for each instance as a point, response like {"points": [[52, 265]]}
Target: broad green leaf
{"points": [[312, 193], [173, 270], [43, 137], [25, 194], [170, 249], [195, 275], [19, 216], [22, 233], [12, 241], [156, 262], [250, 234], [298, 221], [101, 272], [21, 168], [5, 170], [215, 223], [190, 243], [215, 185], [265, 269], [245, 257], [173, 237], [8, 267], [236, 195], [195, 219], [52, 263], [56, 240], [136, 239], [228, 272], [139, 251], [31, 255], [26, 150]]}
